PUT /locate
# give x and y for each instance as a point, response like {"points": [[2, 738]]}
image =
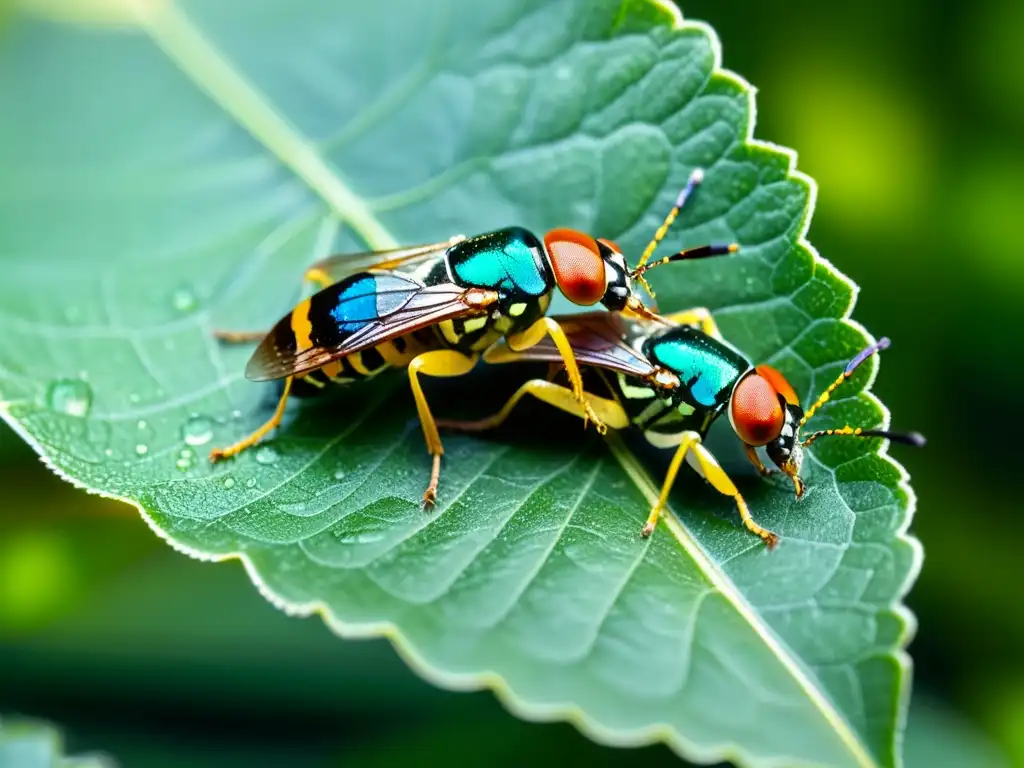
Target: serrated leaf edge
{"points": [[188, 48]]}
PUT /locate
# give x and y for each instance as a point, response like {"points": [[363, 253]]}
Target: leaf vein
{"points": [[531, 576]]}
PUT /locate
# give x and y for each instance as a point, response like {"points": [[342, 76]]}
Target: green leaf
{"points": [[173, 169], [33, 744]]}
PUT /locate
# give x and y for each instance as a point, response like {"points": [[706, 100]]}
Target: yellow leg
{"points": [[548, 327], [754, 459], [609, 411], [441, 363], [222, 453], [319, 276], [705, 464], [699, 317]]}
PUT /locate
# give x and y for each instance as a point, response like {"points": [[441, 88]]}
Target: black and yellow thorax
{"points": [[707, 370]]}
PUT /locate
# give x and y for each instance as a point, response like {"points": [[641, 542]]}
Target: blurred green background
{"points": [[911, 116]]}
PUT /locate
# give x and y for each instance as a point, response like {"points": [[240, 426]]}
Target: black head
{"points": [[619, 287], [785, 450]]}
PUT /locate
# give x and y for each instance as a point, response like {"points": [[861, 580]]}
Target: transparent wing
{"points": [[342, 265], [599, 339], [357, 313]]}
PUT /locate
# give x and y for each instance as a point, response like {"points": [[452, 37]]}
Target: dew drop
{"points": [[229, 482], [70, 396], [141, 449], [141, 424], [185, 460], [366, 537], [236, 414], [266, 455], [134, 397], [339, 474], [198, 430], [250, 483], [183, 300], [108, 452]]}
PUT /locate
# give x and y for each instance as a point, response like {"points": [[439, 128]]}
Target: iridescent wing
{"points": [[342, 265], [359, 312], [599, 339]]}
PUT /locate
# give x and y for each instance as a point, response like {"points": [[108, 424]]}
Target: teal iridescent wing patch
{"points": [[706, 367], [509, 261]]}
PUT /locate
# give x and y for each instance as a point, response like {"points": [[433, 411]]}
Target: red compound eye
{"points": [[755, 410], [577, 264], [778, 381]]}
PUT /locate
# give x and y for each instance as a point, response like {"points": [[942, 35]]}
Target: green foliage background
{"points": [[908, 117]]}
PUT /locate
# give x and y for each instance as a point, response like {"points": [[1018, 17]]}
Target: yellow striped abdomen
{"points": [[392, 354]]}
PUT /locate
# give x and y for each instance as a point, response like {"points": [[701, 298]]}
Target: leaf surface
{"points": [[172, 168]]}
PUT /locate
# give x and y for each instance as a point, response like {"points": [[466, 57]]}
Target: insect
{"points": [[673, 383], [435, 309]]}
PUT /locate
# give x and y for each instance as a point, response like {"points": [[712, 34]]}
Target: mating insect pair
{"points": [[437, 309]]}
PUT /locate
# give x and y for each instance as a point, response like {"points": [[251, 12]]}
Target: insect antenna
{"points": [[853, 365], [700, 252], [691, 184], [696, 177], [915, 439]]}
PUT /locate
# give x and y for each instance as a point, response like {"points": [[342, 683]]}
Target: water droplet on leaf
{"points": [[142, 449], [229, 482], [183, 300], [198, 430], [366, 537], [266, 455], [70, 396], [185, 459]]}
